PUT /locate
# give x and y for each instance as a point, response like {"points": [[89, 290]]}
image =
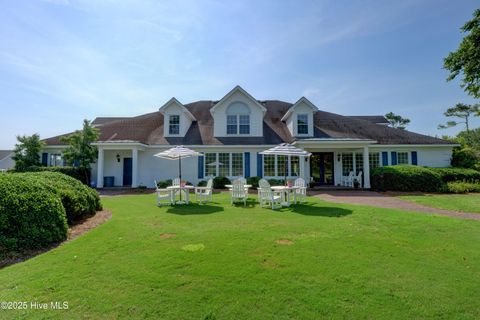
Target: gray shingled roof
{"points": [[148, 129], [372, 119], [5, 153]]}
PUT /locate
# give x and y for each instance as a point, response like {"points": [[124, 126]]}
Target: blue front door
{"points": [[127, 171]]}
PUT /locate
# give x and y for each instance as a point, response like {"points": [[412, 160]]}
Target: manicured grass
{"points": [[456, 202], [224, 262]]}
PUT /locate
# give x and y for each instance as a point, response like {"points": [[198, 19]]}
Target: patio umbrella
{"points": [[286, 149], [178, 153]]}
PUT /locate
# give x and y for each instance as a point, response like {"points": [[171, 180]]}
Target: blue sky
{"points": [[62, 61]]}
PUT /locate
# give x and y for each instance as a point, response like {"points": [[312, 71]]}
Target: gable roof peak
{"points": [[296, 104], [174, 100], [237, 88]]}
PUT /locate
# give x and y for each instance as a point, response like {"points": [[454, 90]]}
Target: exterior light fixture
{"points": [[118, 157]]}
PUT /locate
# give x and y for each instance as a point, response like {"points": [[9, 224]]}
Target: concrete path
{"points": [[381, 200]]}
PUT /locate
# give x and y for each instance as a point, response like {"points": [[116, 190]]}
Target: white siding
{"points": [[437, 157], [185, 122]]}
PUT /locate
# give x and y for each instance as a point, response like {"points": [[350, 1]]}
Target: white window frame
{"points": [[230, 162], [54, 156], [237, 125], [408, 158], [170, 124], [289, 168], [307, 124]]}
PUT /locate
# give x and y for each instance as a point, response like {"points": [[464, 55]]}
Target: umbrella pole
{"points": [[180, 174]]}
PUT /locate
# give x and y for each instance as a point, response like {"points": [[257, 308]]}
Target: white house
{"points": [[232, 131]]}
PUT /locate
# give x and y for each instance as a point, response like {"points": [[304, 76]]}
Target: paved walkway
{"points": [[381, 200]]}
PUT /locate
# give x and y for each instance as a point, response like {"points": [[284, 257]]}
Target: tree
{"points": [[466, 60], [80, 151], [27, 152], [462, 111], [397, 121]]}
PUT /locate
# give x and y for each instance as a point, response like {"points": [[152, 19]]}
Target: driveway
{"points": [[382, 200]]}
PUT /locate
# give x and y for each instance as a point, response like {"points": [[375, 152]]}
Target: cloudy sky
{"points": [[64, 60]]}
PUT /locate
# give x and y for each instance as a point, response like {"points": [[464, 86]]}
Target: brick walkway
{"points": [[376, 199]]}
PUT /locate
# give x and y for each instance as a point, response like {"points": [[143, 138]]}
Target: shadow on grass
{"points": [[308, 209], [194, 208]]}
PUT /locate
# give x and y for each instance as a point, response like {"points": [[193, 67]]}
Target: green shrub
{"points": [[461, 187], [457, 174], [162, 184], [74, 172], [31, 215], [405, 178], [276, 182], [202, 183], [220, 182], [77, 199], [465, 158], [253, 181]]}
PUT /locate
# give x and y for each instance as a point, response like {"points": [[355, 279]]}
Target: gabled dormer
{"points": [[238, 114], [299, 118], [176, 118]]}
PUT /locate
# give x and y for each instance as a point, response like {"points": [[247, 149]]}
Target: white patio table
{"points": [[286, 194], [185, 189]]}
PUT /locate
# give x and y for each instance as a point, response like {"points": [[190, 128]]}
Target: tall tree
{"points": [[462, 111], [397, 121], [466, 59], [27, 152], [80, 151]]}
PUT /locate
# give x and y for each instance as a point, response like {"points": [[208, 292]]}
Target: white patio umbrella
{"points": [[178, 153], [286, 149]]}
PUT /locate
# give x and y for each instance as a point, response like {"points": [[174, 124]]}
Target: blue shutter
{"points": [[385, 158], [394, 158], [259, 165], [246, 159], [414, 158], [44, 159], [200, 167]]}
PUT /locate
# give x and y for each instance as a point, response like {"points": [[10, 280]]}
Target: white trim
{"points": [[241, 90], [292, 108], [217, 166], [174, 100], [413, 146]]}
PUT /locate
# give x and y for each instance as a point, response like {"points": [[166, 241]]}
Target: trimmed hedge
{"points": [[253, 181], [220, 182], [462, 187], [457, 174], [31, 215], [77, 199], [74, 172], [405, 178]]}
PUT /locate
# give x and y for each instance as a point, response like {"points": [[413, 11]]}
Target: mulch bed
{"points": [[74, 231]]}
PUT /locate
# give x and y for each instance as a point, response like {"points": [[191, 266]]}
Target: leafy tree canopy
{"points": [[27, 152], [80, 151], [397, 121], [466, 59], [462, 111]]}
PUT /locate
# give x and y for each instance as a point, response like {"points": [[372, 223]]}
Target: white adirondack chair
{"points": [[347, 181], [203, 194], [358, 178], [266, 196], [301, 191], [165, 195], [238, 192]]}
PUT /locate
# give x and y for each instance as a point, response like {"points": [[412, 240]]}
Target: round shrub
{"points": [[220, 182], [405, 178], [465, 158], [31, 215], [202, 183], [78, 199], [253, 181]]}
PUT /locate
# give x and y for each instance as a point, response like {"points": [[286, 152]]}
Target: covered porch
{"points": [[334, 161]]}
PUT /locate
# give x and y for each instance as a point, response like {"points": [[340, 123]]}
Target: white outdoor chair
{"points": [[203, 194], [347, 181], [301, 191], [238, 192], [176, 182], [266, 196], [358, 178]]}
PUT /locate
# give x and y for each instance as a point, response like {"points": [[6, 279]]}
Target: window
{"points": [[402, 157], [269, 165], [347, 163], [238, 118], [174, 124], [210, 164], [281, 161], [374, 160], [244, 124], [237, 165], [302, 124], [294, 166], [231, 124], [224, 164], [358, 162], [56, 160]]}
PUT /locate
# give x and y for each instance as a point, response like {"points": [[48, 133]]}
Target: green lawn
{"points": [[456, 202], [345, 262]]}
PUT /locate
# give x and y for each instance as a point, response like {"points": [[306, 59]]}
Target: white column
{"points": [[100, 168], [366, 168], [134, 168]]}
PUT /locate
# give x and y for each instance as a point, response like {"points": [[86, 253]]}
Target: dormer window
{"points": [[174, 124], [302, 124], [238, 119]]}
